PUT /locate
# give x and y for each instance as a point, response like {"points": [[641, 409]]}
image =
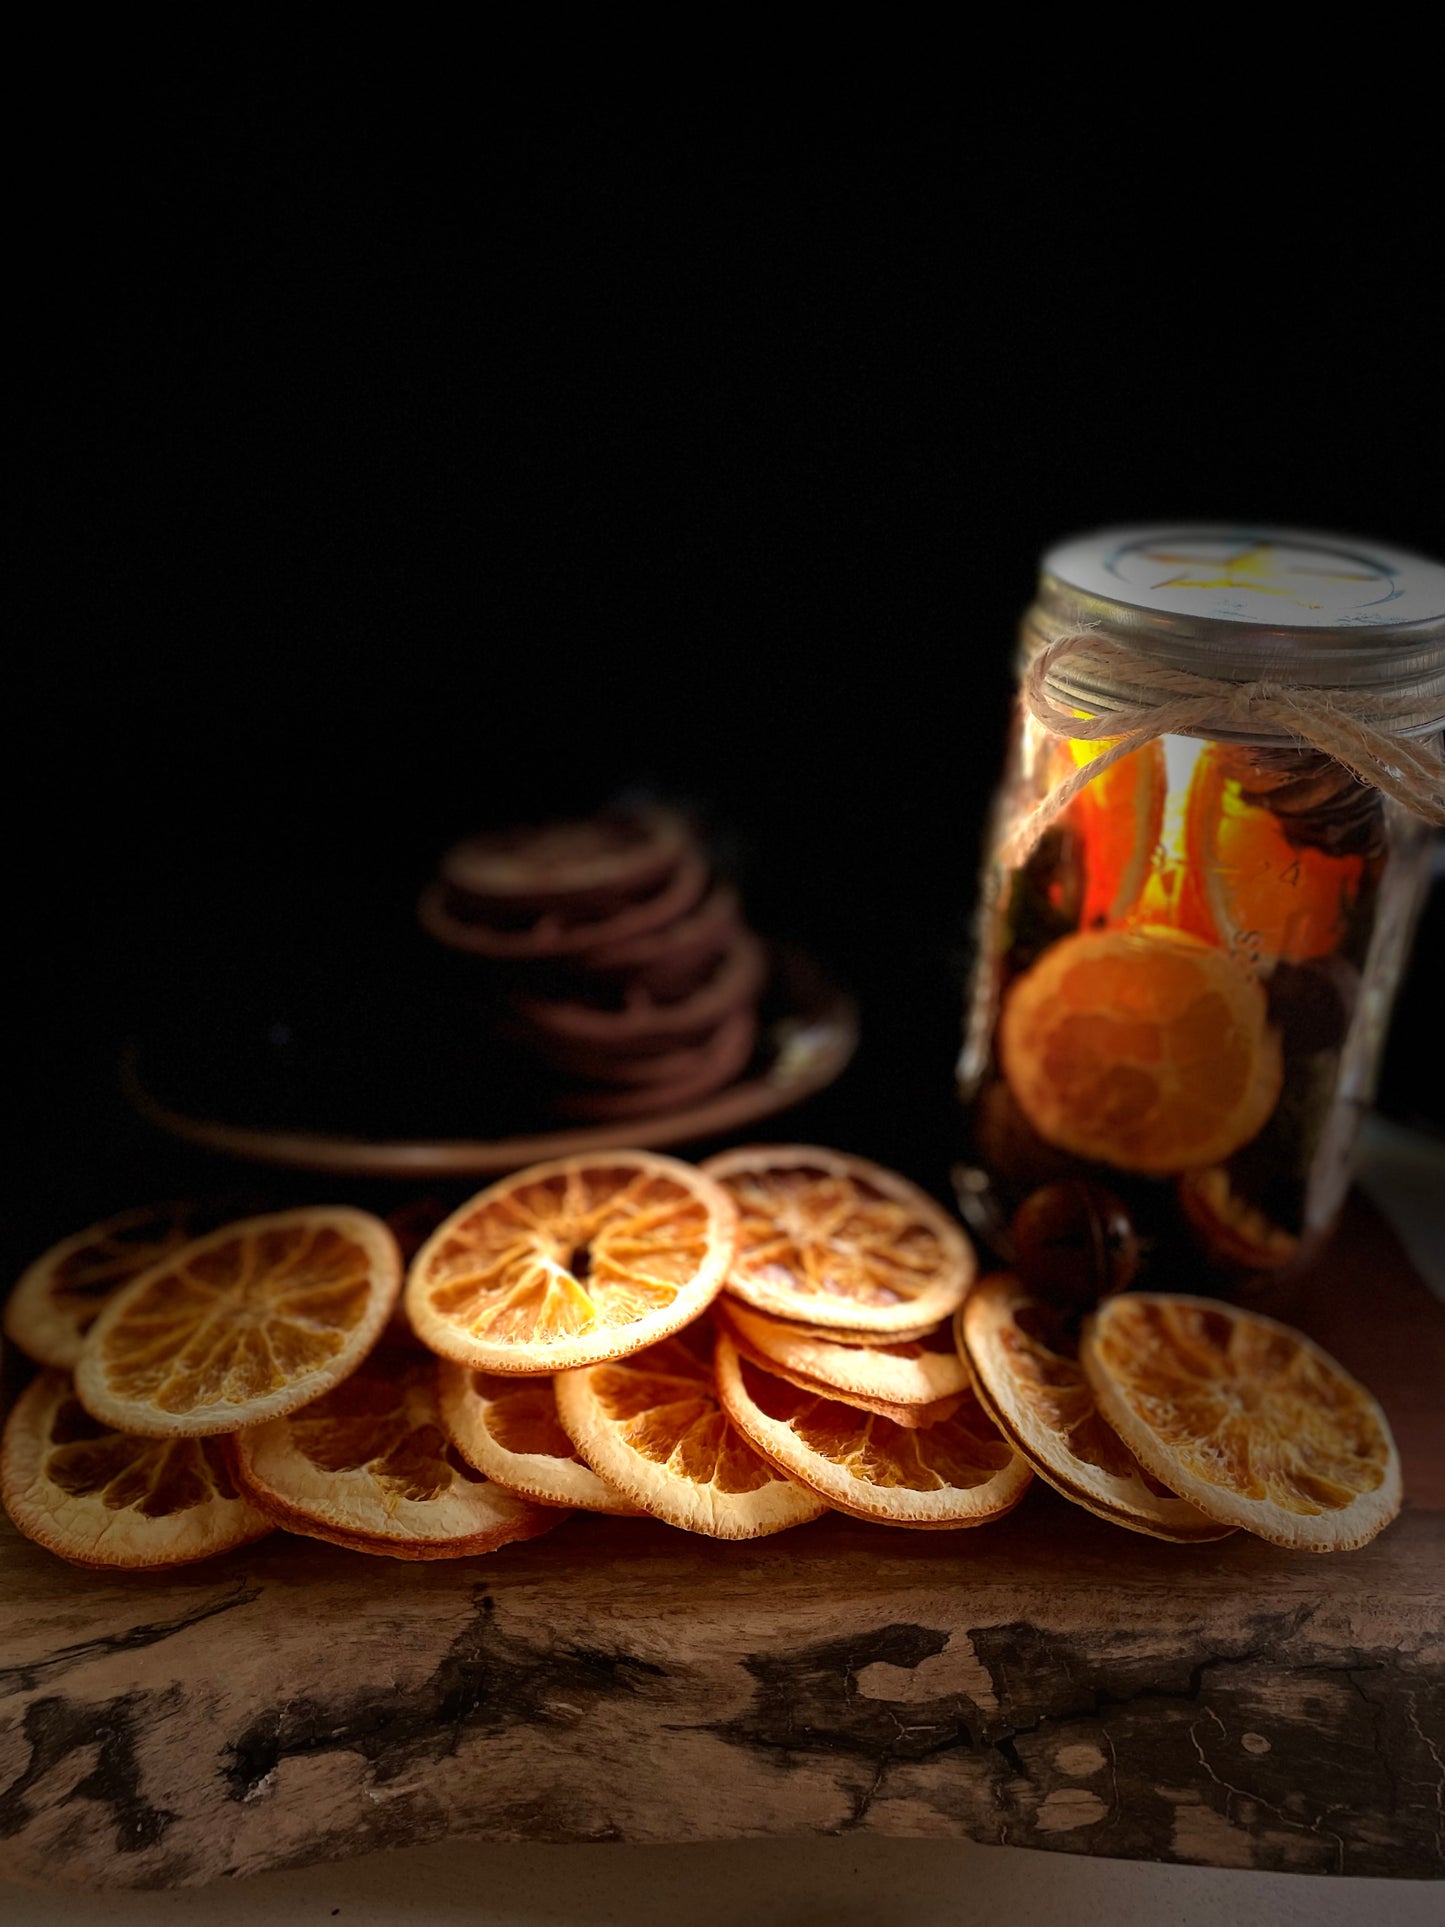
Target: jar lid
{"points": [[1269, 578], [1240, 602]]}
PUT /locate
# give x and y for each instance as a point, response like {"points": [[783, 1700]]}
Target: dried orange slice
{"points": [[509, 1429], [59, 1297], [571, 1262], [916, 1373], [1038, 1396], [652, 1427], [102, 1498], [1145, 1049], [956, 1472], [1245, 1418], [369, 1466], [1232, 1230], [829, 1335], [829, 1239], [243, 1324], [614, 856], [1119, 817], [1269, 900], [561, 930]]}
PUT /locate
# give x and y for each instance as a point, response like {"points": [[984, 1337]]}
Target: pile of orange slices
{"points": [[733, 1348]]}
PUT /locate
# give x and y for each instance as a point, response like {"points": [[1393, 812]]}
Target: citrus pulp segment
{"points": [[959, 1471], [829, 1239], [509, 1429], [1245, 1418], [572, 1262], [907, 1373], [242, 1325], [99, 1497], [369, 1466], [653, 1427], [1038, 1396], [1146, 1049]]}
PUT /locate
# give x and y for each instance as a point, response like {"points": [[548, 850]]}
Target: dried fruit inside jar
{"points": [[1168, 992]]}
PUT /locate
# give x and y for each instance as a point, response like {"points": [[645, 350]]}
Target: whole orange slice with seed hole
{"points": [[1246, 1419], [958, 1471], [572, 1262], [242, 1325], [1145, 1049], [509, 1429], [1038, 1396], [369, 1466], [1268, 899], [652, 1426], [99, 1497], [60, 1295], [911, 1373], [829, 1239]]}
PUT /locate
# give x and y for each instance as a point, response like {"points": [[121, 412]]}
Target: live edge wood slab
{"points": [[1046, 1682]]}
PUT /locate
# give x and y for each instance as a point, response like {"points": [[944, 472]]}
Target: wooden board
{"points": [[1047, 1682]]}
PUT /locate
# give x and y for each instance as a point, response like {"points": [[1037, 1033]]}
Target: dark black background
{"points": [[407, 456]]}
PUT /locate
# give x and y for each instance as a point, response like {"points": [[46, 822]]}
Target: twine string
{"points": [[1135, 700]]}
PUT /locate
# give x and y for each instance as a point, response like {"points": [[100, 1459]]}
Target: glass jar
{"points": [[1185, 962]]}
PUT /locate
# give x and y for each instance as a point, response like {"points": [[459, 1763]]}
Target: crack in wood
{"points": [[485, 1681], [30, 1674]]}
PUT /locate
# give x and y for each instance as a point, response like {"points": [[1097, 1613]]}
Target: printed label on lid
{"points": [[1271, 578]]}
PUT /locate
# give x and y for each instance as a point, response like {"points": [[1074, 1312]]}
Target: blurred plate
{"points": [[809, 1032]]}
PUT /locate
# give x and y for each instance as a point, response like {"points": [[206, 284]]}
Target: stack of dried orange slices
{"points": [[732, 1348], [566, 1303], [230, 1386], [834, 1358], [1184, 1418]]}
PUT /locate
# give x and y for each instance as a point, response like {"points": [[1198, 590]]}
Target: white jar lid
{"points": [[1270, 579]]}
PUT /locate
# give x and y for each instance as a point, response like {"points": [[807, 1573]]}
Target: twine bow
{"points": [[1135, 700]]}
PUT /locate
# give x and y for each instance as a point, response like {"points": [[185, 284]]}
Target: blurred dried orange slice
{"points": [[572, 1262], [1232, 1230], [652, 1426], [1245, 1418], [60, 1295], [509, 1429], [103, 1498], [1037, 1395], [566, 928], [825, 1238], [958, 1471], [601, 859], [369, 1466], [1269, 899], [912, 1373], [243, 1324], [1119, 817], [1146, 1049]]}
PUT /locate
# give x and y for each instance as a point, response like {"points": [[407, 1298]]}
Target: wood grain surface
{"points": [[1048, 1681]]}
